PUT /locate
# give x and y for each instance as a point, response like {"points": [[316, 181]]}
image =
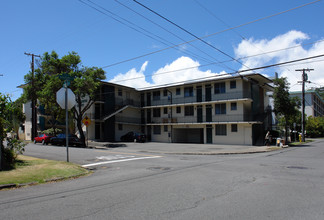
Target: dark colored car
{"points": [[43, 138], [133, 136], [60, 139]]}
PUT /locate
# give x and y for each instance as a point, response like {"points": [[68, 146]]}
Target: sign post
{"points": [[66, 104], [86, 121]]}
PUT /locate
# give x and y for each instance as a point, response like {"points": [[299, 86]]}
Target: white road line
{"points": [[117, 161]]}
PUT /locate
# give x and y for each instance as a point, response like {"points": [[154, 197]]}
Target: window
{"points": [[165, 92], [221, 130], [156, 112], [120, 92], [233, 84], [156, 129], [156, 95], [165, 111], [165, 128], [220, 109], [234, 127], [178, 91], [178, 109], [219, 88], [188, 91], [189, 110], [233, 106], [120, 127]]}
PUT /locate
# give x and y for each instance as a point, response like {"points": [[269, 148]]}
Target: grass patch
{"points": [[34, 170]]}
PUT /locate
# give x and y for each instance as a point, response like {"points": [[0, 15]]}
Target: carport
{"points": [[188, 135]]}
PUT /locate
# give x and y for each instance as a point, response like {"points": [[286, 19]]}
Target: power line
{"points": [[188, 32], [141, 30], [165, 29], [208, 77], [210, 35], [228, 26]]}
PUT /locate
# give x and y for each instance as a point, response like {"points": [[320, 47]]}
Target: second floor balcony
{"points": [[198, 99]]}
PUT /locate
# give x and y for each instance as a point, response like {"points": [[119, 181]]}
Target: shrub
{"points": [[10, 153]]}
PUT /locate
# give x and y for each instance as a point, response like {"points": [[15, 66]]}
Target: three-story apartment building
{"points": [[224, 110]]}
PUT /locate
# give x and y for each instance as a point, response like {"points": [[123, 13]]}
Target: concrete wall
{"points": [[27, 110]]}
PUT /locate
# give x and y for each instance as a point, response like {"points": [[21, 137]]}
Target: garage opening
{"points": [[188, 135]]}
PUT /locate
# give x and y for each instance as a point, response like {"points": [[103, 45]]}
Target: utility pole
{"points": [[304, 79], [34, 112]]}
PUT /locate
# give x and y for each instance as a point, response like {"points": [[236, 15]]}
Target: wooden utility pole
{"points": [[34, 112], [304, 79]]}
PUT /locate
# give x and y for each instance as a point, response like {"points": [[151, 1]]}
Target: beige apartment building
{"points": [[223, 110]]}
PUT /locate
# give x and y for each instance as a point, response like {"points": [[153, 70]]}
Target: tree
{"points": [[315, 126], [85, 84], [8, 111], [284, 105]]}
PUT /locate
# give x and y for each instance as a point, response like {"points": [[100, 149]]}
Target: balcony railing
{"points": [[195, 99], [131, 120], [203, 119], [190, 119], [123, 102]]}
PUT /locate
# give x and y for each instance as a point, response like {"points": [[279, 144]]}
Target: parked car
{"points": [[43, 138], [60, 139], [134, 136]]}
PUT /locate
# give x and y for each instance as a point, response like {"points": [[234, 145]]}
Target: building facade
{"points": [[314, 104], [228, 110]]}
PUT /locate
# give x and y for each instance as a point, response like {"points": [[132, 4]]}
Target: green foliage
{"points": [[9, 112], [315, 126], [52, 131], [285, 107], [14, 147], [47, 83], [17, 146]]}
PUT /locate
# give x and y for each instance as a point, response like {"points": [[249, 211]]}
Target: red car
{"points": [[43, 138]]}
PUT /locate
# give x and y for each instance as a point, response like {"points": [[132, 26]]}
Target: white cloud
{"points": [[132, 78], [182, 69], [251, 47]]}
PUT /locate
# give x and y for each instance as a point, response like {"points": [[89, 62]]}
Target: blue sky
{"points": [[38, 26]]}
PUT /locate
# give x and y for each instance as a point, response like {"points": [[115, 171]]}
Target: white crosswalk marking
{"points": [[113, 157], [118, 161]]}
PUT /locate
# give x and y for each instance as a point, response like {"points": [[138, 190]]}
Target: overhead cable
{"points": [[210, 35]]}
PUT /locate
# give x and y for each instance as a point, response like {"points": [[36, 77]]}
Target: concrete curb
{"points": [[13, 185], [202, 153]]}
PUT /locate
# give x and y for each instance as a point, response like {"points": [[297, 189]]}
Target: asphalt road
{"points": [[285, 184]]}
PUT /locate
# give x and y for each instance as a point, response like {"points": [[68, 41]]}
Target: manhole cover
{"points": [[297, 167], [159, 168]]}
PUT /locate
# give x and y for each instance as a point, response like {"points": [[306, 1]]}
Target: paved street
{"points": [[137, 184]]}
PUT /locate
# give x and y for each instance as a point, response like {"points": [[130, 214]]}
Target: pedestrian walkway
{"points": [[185, 149]]}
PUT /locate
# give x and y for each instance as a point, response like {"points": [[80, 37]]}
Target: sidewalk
{"points": [[184, 149]]}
